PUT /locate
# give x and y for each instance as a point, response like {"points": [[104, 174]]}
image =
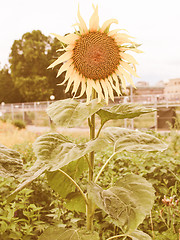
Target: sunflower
{"points": [[96, 58]]}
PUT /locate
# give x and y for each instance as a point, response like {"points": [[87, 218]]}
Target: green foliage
{"points": [[19, 124], [122, 111], [127, 202], [132, 140], [128, 198], [71, 113], [8, 92], [68, 234], [10, 162], [20, 219]]}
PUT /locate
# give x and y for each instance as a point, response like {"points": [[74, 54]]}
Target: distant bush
{"points": [[19, 124]]}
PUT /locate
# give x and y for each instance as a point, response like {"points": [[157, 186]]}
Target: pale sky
{"points": [[154, 23]]}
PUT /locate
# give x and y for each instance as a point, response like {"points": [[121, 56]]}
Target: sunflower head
{"points": [[95, 59]]}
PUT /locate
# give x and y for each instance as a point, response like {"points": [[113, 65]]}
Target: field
{"points": [[37, 206]]}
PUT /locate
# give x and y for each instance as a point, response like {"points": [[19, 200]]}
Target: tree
{"points": [[8, 92], [29, 59]]}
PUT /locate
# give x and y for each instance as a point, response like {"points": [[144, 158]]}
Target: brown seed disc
{"points": [[96, 55]]}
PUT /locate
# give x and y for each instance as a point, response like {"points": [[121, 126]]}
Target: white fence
{"points": [[34, 113]]}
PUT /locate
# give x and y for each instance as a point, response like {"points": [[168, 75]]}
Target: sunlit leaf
{"points": [[122, 111], [139, 235], [72, 113], [59, 233], [57, 151], [11, 163], [133, 140], [75, 202], [63, 185], [127, 202]]}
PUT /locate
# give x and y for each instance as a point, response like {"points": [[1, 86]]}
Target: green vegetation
{"points": [[37, 206]]}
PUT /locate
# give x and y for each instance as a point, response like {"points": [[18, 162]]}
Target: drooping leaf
{"points": [[122, 111], [139, 235], [11, 163], [28, 178], [57, 151], [63, 185], [59, 233], [75, 202], [72, 113], [127, 202], [133, 140]]}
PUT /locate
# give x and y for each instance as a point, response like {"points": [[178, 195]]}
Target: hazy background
{"points": [[155, 24]]}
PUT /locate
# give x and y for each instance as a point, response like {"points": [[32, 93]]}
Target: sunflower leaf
{"points": [[133, 140], [122, 111], [63, 185], [139, 235], [57, 233], [75, 202], [56, 151], [127, 202], [11, 163], [72, 113]]}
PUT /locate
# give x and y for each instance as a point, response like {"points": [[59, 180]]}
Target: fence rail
{"points": [[33, 113]]}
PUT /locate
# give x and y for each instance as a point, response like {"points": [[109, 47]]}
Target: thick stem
{"points": [[90, 206]]}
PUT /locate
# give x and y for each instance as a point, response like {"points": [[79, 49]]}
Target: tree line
{"points": [[27, 78]]}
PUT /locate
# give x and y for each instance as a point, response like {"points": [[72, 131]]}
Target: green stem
{"points": [[102, 124], [75, 183], [90, 205], [103, 167], [113, 237]]}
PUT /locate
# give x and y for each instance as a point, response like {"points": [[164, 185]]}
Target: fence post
{"points": [[155, 113], [23, 114], [35, 114], [12, 111]]}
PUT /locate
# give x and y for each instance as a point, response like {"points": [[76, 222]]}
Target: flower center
{"points": [[96, 55]]}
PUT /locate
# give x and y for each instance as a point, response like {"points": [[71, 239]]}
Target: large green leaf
{"points": [[59, 233], [139, 235], [133, 140], [63, 185], [11, 163], [72, 113], [75, 202], [122, 111], [127, 202], [57, 151]]}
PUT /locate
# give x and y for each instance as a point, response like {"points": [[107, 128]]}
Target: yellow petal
{"points": [[128, 68], [107, 24], [99, 90], [109, 89], [82, 24], [64, 57], [83, 86], [88, 91], [117, 83], [123, 35], [110, 79], [69, 84], [94, 21], [105, 90], [76, 83], [127, 76], [113, 32], [131, 49], [68, 39], [123, 81], [64, 67], [128, 58]]}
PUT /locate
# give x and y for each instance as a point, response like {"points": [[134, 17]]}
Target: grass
{"points": [[11, 135]]}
